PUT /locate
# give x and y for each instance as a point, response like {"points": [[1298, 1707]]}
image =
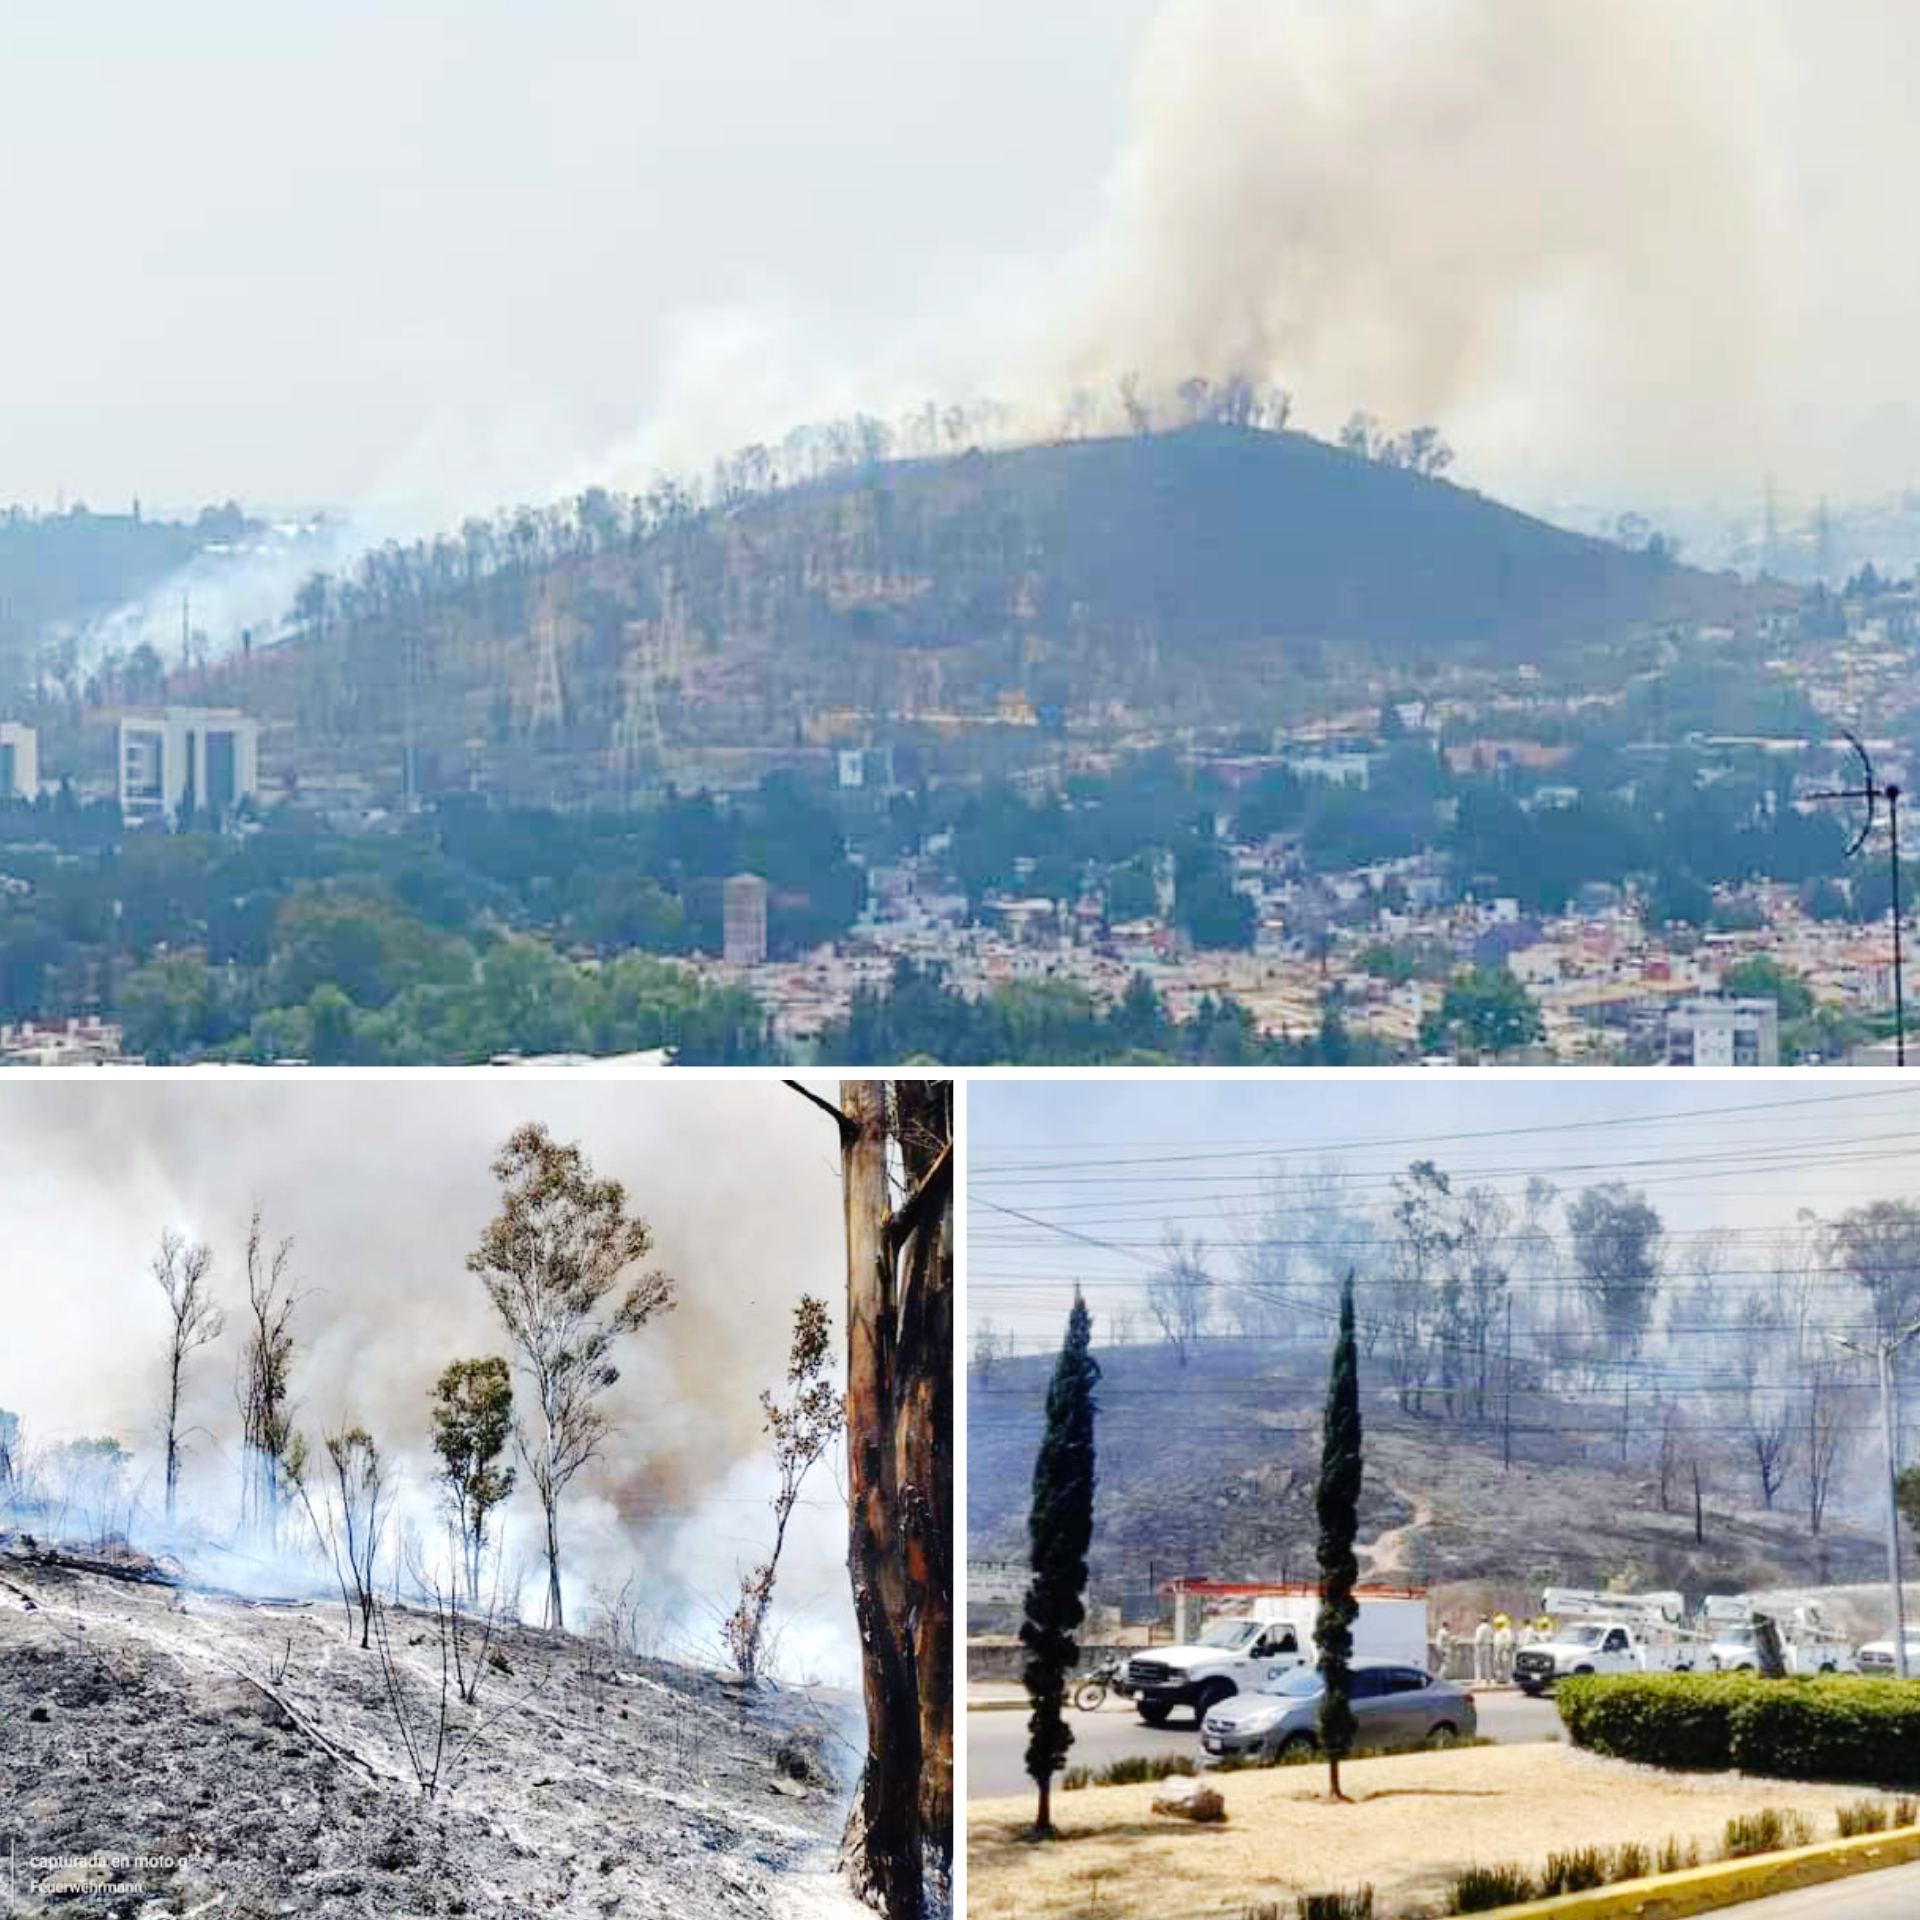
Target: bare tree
{"points": [[802, 1431], [265, 1392], [552, 1262], [1829, 1379], [1763, 1350], [1674, 1440], [1180, 1291], [194, 1320], [900, 1479], [986, 1350], [362, 1519]]}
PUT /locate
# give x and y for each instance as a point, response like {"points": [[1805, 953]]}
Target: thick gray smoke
{"points": [[384, 1188], [1638, 244]]}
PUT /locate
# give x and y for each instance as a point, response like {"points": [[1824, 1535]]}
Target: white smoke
{"points": [[384, 1188], [1642, 246]]}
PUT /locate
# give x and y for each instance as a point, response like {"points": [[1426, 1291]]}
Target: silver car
{"points": [[1394, 1706]]}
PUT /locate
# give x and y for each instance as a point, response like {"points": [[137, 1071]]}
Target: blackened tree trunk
{"points": [[900, 1481], [1059, 1529], [1338, 1506]]}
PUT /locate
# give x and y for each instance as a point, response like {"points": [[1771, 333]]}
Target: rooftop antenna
{"points": [[1770, 540], [1871, 792]]}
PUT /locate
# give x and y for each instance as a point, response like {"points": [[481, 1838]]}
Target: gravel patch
{"points": [[1415, 1821]]}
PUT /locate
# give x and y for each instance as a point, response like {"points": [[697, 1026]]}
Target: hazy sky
{"points": [[1097, 1168], [330, 251], [384, 1189], [440, 256]]}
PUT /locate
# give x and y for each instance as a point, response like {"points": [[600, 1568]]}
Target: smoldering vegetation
{"points": [[251, 1757], [394, 1614]]}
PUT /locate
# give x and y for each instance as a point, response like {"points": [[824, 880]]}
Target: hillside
{"points": [[62, 570], [1210, 1470], [248, 1756], [1215, 575]]}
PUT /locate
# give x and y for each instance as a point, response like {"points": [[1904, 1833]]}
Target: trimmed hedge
{"points": [[1835, 1727]]}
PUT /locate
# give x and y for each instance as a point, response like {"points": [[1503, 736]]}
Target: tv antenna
{"points": [[1868, 794]]}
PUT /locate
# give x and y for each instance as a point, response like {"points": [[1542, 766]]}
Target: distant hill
{"points": [[1215, 575], [63, 570], [1218, 536], [1209, 1469]]}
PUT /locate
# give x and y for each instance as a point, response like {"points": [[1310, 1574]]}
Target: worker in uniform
{"points": [[1502, 1649], [1483, 1650], [1443, 1647]]}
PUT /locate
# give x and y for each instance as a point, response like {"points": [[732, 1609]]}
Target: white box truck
{"points": [[1265, 1637]]}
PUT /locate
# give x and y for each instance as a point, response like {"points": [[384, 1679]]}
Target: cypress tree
{"points": [[1059, 1528], [1337, 1502]]}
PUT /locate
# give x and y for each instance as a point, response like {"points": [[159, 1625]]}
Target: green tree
{"points": [[1764, 979], [472, 1423], [1906, 1495], [1059, 1530], [1488, 1009], [552, 1261], [1337, 1505]]}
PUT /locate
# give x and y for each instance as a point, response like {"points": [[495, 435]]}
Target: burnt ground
{"points": [[141, 1721]]}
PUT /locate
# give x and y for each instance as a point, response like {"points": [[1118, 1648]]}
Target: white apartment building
{"points": [[19, 761], [1714, 1032], [203, 760]]}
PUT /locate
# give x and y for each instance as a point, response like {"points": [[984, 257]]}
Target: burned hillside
{"points": [[252, 1756]]}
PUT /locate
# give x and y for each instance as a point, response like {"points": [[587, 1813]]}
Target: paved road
{"points": [[997, 1741], [1893, 1894]]}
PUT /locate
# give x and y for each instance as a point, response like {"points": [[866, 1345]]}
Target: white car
{"points": [[1876, 1658]]}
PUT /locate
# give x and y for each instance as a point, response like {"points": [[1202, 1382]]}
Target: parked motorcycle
{"points": [[1110, 1676]]}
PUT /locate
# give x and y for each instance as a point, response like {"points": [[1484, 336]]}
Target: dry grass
{"points": [[1417, 1819]]}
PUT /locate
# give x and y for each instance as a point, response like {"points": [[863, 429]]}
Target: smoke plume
{"points": [[1639, 245]]}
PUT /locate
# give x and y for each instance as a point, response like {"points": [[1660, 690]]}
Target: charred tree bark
{"points": [[900, 1480]]}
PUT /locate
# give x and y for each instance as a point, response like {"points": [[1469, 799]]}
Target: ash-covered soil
{"points": [[247, 1757]]}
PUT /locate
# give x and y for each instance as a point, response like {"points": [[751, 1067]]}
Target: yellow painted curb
{"points": [[1671, 1896]]}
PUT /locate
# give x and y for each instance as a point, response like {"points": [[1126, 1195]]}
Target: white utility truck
{"points": [[1261, 1641], [1607, 1633], [1732, 1641]]}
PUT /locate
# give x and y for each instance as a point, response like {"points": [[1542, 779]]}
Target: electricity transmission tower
{"points": [[549, 706], [1869, 792]]}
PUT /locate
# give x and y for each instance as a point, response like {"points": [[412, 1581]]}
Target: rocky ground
{"points": [[248, 1759]]}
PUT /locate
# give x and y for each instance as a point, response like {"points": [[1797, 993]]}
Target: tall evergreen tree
{"points": [[1337, 1503], [1059, 1528]]}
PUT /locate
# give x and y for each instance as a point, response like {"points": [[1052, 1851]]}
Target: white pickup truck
{"points": [[1596, 1646], [1245, 1652]]}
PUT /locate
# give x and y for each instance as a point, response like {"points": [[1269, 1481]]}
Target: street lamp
{"points": [[1882, 1352]]}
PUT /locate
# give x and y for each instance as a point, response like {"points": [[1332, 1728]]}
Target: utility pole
{"points": [[1883, 1352], [1506, 1421]]}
